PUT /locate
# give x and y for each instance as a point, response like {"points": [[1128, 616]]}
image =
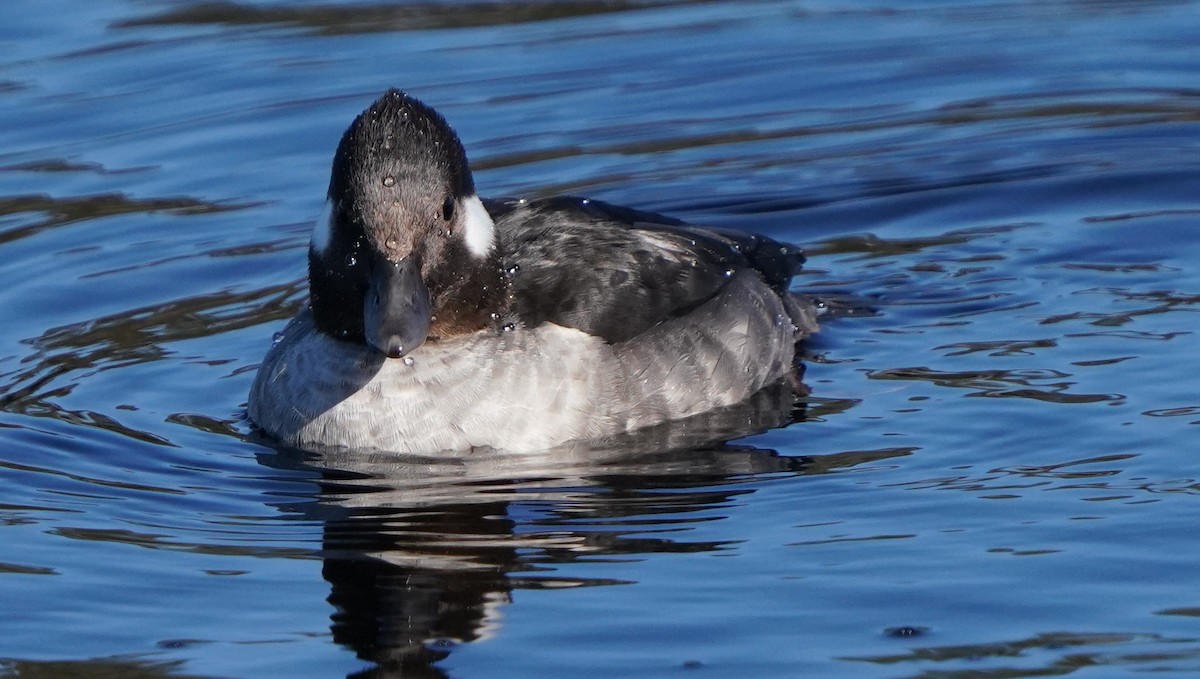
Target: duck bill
{"points": [[397, 309]]}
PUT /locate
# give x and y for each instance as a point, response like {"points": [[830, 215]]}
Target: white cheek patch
{"points": [[479, 230], [322, 232]]}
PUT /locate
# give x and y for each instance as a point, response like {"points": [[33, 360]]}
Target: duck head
{"points": [[405, 252]]}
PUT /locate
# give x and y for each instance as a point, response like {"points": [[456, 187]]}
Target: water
{"points": [[994, 474]]}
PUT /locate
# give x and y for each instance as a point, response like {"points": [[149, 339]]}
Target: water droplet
{"points": [[409, 361], [391, 243], [512, 270], [509, 327], [277, 338], [449, 233], [351, 260], [585, 201], [389, 180], [906, 631], [729, 273], [495, 316]]}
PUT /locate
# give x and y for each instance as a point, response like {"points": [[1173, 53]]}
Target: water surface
{"points": [[992, 474]]}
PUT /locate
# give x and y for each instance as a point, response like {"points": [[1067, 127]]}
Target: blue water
{"points": [[995, 474]]}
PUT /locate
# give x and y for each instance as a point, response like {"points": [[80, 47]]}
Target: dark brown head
{"points": [[405, 251]]}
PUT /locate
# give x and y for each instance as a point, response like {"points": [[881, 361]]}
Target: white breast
{"points": [[528, 389], [523, 389]]}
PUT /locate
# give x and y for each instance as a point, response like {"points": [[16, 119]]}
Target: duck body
{"points": [[442, 322]]}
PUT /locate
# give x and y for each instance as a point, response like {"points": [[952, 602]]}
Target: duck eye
{"points": [[448, 209]]}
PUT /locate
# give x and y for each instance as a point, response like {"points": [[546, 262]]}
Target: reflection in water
{"points": [[422, 554]]}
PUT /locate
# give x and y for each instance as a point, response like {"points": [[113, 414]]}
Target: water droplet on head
{"points": [[351, 260], [509, 327], [389, 180], [495, 316], [512, 270], [277, 338], [729, 273], [409, 361]]}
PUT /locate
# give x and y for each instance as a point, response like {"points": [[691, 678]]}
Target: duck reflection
{"points": [[422, 554]]}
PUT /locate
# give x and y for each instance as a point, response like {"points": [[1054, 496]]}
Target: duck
{"points": [[439, 321]]}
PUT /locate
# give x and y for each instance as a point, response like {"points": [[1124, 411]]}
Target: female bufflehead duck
{"points": [[439, 321]]}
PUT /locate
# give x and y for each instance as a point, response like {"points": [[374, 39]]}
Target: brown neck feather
{"points": [[468, 300]]}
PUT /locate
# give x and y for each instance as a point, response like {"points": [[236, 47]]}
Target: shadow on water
{"points": [[423, 554]]}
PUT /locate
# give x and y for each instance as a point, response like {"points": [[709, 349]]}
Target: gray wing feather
{"points": [[615, 272]]}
